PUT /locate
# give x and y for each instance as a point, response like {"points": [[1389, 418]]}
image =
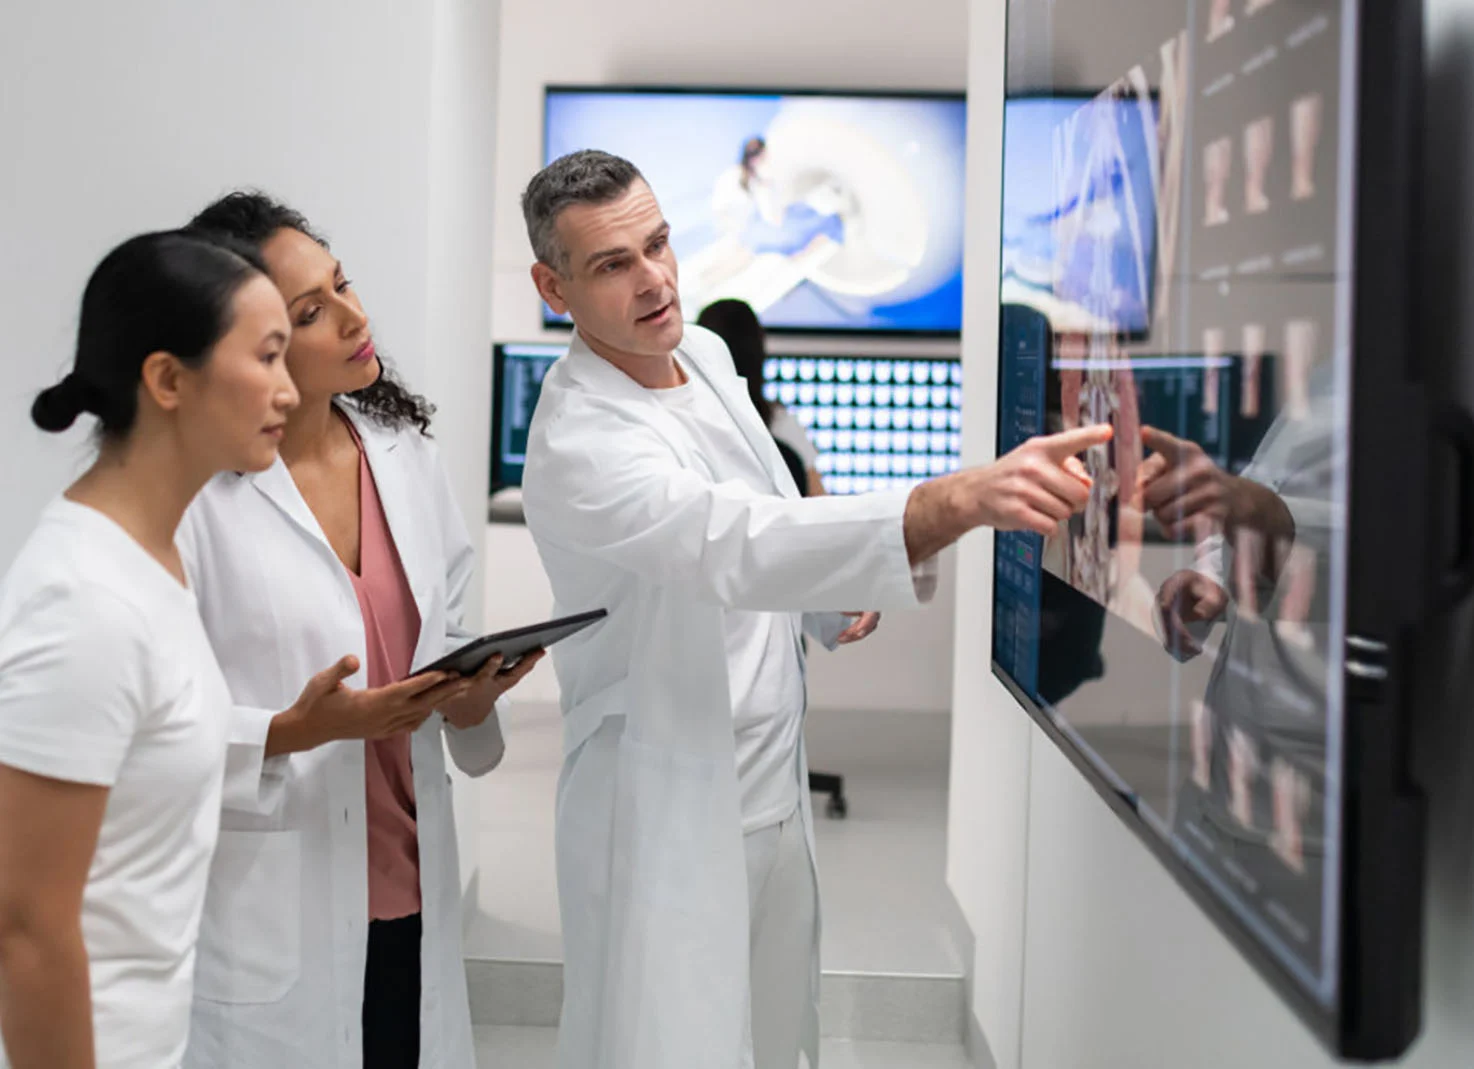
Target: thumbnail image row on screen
{"points": [[876, 419], [869, 484], [910, 468], [845, 393], [887, 443], [885, 370]]}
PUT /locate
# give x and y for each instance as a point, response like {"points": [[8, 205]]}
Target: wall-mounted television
{"points": [[1223, 642], [517, 381], [876, 422], [827, 212]]}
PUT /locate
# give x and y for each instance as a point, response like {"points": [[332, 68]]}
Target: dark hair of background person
{"points": [[252, 217], [752, 148], [167, 291], [737, 324]]}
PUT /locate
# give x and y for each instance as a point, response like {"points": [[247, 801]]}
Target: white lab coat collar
{"points": [[591, 369], [277, 484]]}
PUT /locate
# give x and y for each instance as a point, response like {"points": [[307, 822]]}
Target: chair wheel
{"points": [[837, 808]]}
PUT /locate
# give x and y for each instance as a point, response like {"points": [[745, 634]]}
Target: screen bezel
{"points": [[954, 96], [1377, 1011]]}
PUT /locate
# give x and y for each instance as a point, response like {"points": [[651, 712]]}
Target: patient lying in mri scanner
{"points": [[811, 201]]}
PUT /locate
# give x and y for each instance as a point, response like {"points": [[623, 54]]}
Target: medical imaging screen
{"points": [[1175, 251], [823, 212], [876, 422], [518, 374], [1073, 163]]}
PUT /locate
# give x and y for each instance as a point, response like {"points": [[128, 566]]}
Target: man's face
{"points": [[620, 281]]}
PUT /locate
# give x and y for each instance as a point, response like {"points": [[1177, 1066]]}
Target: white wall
{"points": [[118, 118], [1088, 954], [455, 361], [817, 43], [375, 118], [991, 740]]}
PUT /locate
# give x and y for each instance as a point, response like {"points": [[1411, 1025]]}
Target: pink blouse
{"points": [[391, 625]]}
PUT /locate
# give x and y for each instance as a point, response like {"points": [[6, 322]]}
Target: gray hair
{"points": [[585, 177]]}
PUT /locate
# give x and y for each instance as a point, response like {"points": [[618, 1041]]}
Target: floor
{"points": [[533, 1048], [886, 906]]}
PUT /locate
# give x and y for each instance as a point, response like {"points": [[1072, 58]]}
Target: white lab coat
{"points": [[280, 972], [652, 875]]}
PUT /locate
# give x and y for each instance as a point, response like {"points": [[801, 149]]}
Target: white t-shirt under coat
{"points": [[763, 668]]}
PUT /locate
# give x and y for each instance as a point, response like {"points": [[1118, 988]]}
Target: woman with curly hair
{"points": [[331, 934]]}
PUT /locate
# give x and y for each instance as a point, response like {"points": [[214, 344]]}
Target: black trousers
{"points": [[391, 995]]}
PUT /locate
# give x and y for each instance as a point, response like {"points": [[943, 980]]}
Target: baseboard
{"points": [[973, 1039], [864, 1007], [867, 1007], [518, 994]]}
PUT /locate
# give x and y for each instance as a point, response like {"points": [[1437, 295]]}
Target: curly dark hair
{"points": [[251, 217]]}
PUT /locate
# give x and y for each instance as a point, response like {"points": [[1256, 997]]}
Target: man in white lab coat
{"points": [[653, 489]]}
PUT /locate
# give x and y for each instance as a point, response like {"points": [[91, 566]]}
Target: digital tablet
{"points": [[512, 645]]}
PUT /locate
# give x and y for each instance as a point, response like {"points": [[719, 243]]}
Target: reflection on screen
{"points": [[519, 374], [821, 212], [1079, 211], [1174, 266], [878, 423]]}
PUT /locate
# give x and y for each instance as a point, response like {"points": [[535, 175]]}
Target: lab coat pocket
{"points": [[250, 935], [666, 800]]}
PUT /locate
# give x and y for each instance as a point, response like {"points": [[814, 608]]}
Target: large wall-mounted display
{"points": [[828, 212], [1207, 224]]}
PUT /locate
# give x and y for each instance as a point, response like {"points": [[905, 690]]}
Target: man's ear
{"points": [[163, 379], [550, 287]]}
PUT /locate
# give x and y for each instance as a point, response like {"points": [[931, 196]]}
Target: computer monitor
{"points": [[518, 371], [878, 422]]}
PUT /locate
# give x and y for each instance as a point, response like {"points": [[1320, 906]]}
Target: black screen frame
{"points": [[951, 95], [1378, 1011]]}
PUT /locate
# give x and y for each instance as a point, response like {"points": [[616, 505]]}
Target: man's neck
{"points": [[652, 372]]}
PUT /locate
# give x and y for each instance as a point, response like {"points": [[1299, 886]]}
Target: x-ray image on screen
{"points": [[1080, 208], [823, 212], [1105, 209]]}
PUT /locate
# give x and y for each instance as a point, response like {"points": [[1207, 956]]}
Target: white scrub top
{"points": [[106, 678]]}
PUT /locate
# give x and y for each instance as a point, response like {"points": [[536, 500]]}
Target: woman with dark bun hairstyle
{"points": [[332, 931], [113, 711]]}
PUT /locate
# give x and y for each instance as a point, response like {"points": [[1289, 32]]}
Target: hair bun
{"points": [[57, 407]]}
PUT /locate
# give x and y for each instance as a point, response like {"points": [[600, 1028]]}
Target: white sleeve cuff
{"points": [[925, 577], [254, 783], [826, 627], [478, 750], [1211, 559]]}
